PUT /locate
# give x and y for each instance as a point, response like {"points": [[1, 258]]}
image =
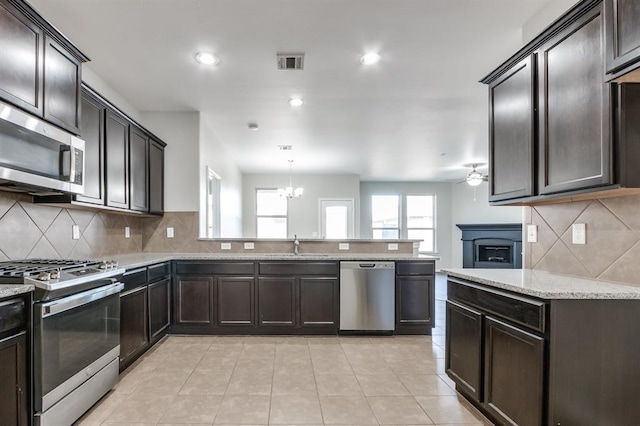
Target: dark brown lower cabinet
{"points": [[514, 374], [133, 325], [194, 301], [235, 301], [14, 409], [319, 302], [276, 301], [415, 305], [159, 308], [463, 362]]}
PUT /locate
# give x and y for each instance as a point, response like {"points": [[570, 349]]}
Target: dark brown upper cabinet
{"points": [[138, 169], [46, 80], [574, 103], [156, 176], [92, 132], [117, 160], [622, 26], [512, 131]]}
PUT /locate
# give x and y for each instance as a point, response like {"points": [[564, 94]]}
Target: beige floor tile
{"points": [[382, 385], [161, 383], [338, 385], [260, 350], [292, 410], [426, 385], [192, 409], [398, 410], [244, 410], [147, 409], [292, 340], [205, 384], [447, 380], [331, 365], [349, 410], [102, 409], [378, 366], [293, 365], [412, 366], [250, 383], [302, 384], [447, 409], [292, 350], [322, 340]]}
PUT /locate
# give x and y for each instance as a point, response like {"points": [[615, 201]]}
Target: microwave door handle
{"points": [[72, 160], [66, 163]]}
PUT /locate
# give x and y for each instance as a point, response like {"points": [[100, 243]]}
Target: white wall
{"points": [[442, 192], [215, 156], [465, 210], [303, 212], [541, 20], [181, 132], [99, 85]]}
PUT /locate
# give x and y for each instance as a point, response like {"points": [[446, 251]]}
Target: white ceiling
{"points": [[418, 115]]}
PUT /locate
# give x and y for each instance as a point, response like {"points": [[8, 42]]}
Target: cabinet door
{"points": [[14, 409], [319, 302], [20, 79], [62, 81], [514, 373], [194, 301], [117, 156], [156, 177], [235, 301], [511, 133], [138, 170], [133, 324], [414, 302], [276, 301], [622, 21], [574, 136], [92, 132], [159, 305], [463, 355]]}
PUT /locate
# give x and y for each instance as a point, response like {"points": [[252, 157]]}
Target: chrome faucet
{"points": [[296, 244]]}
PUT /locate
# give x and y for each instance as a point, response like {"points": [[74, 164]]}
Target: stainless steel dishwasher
{"points": [[367, 296]]}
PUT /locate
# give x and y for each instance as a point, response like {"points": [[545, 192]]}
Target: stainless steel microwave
{"points": [[37, 157]]}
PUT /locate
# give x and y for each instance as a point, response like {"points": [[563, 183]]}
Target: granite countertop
{"points": [[546, 285], [9, 290], [136, 260]]}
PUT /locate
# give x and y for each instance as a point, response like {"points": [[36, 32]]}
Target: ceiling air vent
{"points": [[285, 147], [290, 61]]}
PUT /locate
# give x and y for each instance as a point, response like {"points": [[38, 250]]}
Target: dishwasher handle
{"points": [[367, 265]]}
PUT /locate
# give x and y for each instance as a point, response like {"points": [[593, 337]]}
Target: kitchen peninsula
{"points": [[532, 347]]}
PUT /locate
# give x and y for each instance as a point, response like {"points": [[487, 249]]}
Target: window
{"points": [[271, 213], [213, 204], [417, 224], [385, 213], [420, 221]]}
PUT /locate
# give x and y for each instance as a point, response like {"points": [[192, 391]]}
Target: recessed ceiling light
{"points": [[253, 127], [295, 102], [370, 58], [207, 58]]}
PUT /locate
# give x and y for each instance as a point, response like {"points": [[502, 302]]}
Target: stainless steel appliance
{"points": [[367, 296], [76, 337], [37, 157]]}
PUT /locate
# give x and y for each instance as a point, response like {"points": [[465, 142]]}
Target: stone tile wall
{"points": [[612, 251]]}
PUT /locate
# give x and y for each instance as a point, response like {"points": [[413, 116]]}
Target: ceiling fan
{"points": [[474, 177]]}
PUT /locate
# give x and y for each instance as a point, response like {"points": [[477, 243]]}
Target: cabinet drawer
{"points": [[299, 268], [13, 316], [160, 270], [134, 278], [415, 268], [215, 268], [521, 310]]}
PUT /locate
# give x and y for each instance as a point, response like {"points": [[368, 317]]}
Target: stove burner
{"points": [[51, 269]]}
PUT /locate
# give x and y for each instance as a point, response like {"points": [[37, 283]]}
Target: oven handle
{"points": [[66, 303]]}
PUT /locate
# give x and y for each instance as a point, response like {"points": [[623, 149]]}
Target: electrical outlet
{"points": [[249, 246], [579, 231], [225, 246], [170, 232], [127, 232], [314, 234], [343, 246], [75, 232], [532, 233], [392, 246]]}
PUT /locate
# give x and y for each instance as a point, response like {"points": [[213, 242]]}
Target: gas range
{"points": [[55, 278]]}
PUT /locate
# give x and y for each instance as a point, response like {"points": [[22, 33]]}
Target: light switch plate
{"points": [[75, 232], [170, 232], [579, 231], [225, 246], [127, 232], [343, 246], [392, 246], [249, 246], [532, 233]]}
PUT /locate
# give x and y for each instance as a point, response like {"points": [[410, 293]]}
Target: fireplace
{"points": [[492, 245]]}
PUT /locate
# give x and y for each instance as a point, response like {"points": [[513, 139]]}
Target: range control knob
{"points": [[55, 274], [103, 265], [43, 276]]}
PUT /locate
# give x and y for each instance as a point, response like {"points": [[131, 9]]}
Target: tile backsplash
{"points": [[612, 249]]}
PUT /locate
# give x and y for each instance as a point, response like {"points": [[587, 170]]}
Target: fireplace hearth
{"points": [[491, 245]]}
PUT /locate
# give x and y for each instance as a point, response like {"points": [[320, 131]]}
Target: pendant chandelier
{"points": [[289, 191]]}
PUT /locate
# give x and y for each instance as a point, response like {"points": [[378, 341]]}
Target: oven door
{"points": [[74, 338]]}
